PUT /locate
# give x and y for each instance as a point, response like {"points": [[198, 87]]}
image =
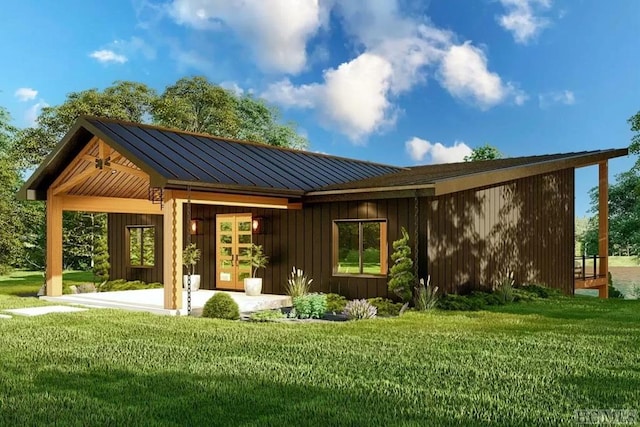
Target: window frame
{"points": [[384, 266], [129, 229]]}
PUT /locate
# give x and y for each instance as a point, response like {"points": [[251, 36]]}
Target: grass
{"points": [[28, 283], [523, 364]]}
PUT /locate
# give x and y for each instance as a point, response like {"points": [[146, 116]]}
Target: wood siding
{"points": [[119, 249], [472, 237], [524, 226]]}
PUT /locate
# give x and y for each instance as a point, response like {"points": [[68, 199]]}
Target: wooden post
{"points": [[603, 225], [172, 251], [54, 245]]}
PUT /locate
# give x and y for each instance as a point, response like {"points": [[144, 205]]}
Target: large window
{"points": [[142, 246], [360, 247]]}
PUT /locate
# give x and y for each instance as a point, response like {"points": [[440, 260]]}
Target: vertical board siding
{"points": [[118, 247], [467, 240], [524, 226]]}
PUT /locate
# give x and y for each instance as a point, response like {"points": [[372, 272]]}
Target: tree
{"points": [[484, 152], [101, 264], [624, 215], [402, 278], [196, 105], [634, 122], [123, 100]]}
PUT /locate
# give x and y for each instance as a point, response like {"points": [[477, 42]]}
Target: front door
{"points": [[233, 250]]}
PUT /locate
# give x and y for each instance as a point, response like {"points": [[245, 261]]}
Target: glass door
{"points": [[233, 250]]}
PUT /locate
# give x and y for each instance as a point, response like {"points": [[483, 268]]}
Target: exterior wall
{"points": [[525, 226], [472, 237], [118, 247]]}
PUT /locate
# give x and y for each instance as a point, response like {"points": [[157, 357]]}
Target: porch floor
{"points": [[151, 300]]}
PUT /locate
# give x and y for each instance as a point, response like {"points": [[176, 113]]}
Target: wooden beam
{"points": [[127, 169], [75, 161], [108, 205], [75, 180], [603, 223], [205, 198], [54, 245], [172, 251]]}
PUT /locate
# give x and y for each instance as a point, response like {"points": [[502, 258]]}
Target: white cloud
{"points": [[563, 97], [277, 30], [26, 94], [464, 73], [31, 115], [233, 87], [420, 149], [522, 18], [106, 56]]}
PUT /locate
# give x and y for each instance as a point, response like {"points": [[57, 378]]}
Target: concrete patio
{"points": [[151, 300]]}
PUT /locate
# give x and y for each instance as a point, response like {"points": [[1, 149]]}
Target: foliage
{"points": [[298, 284], [335, 303], [540, 291], [478, 300], [360, 309], [123, 100], [461, 302], [81, 232], [266, 316], [101, 264], [426, 296], [310, 306], [258, 259], [385, 306], [124, 285], [195, 104], [484, 152], [614, 292], [190, 257], [401, 275], [624, 215], [221, 306], [503, 287], [485, 368], [634, 123]]}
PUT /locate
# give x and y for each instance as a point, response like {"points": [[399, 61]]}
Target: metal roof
{"points": [[175, 159]]}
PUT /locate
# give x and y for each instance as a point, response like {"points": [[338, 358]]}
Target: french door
{"points": [[233, 250]]}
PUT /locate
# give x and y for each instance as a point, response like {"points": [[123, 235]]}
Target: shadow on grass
{"points": [[102, 396]]}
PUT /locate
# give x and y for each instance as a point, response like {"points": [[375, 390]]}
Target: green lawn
{"points": [[524, 364], [27, 283]]}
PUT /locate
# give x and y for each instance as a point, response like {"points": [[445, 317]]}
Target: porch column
{"points": [[54, 245], [172, 251], [603, 225]]}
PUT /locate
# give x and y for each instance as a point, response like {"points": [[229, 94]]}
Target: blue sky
{"points": [[403, 82]]}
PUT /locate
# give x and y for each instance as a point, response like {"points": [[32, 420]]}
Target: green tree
{"points": [[194, 104], [101, 264], [484, 152], [402, 280], [634, 122], [624, 215], [123, 100]]}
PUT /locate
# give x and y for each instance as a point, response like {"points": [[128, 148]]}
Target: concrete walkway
{"points": [[151, 300]]}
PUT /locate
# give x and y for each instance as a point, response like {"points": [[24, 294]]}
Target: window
{"points": [[142, 246], [360, 247]]}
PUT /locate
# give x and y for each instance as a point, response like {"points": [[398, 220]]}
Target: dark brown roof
{"points": [[174, 159], [444, 178]]}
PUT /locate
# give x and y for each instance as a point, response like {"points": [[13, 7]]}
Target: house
{"points": [[336, 218]]}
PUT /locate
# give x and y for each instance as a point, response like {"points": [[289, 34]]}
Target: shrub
{"points": [[385, 307], [123, 285], [614, 292], [360, 309], [266, 316], [310, 306], [401, 275], [539, 291], [221, 306], [101, 264], [460, 302], [336, 303], [298, 284], [426, 296], [503, 287]]}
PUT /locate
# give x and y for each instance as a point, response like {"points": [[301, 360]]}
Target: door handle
{"points": [[237, 260]]}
